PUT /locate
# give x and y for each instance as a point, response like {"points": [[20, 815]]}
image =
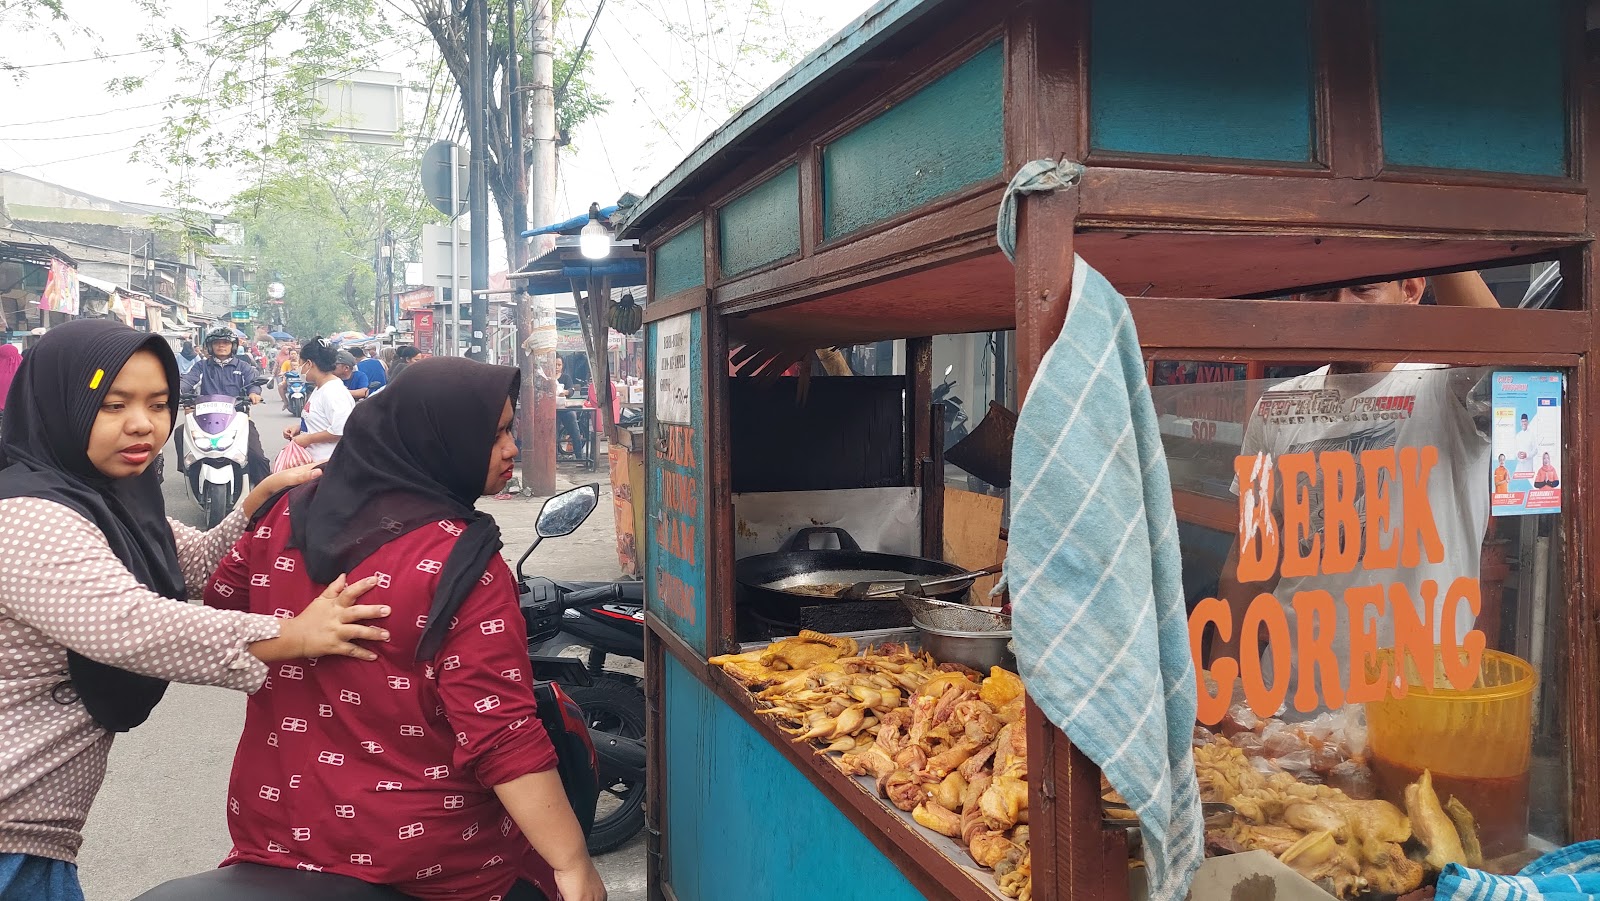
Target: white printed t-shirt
{"points": [[1426, 405], [326, 411]]}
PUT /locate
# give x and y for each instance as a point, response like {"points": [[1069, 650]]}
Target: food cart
{"points": [[1233, 158]]}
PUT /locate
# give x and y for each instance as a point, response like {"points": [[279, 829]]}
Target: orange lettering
{"points": [[1297, 531], [1461, 664], [1341, 523], [1316, 622], [1212, 707], [1369, 674], [1264, 611], [1378, 471], [1413, 634], [1258, 532], [1421, 536]]}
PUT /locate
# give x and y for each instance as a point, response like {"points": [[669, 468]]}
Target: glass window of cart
{"points": [[1373, 567]]}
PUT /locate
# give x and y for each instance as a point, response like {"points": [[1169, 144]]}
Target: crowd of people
{"points": [[381, 741]]}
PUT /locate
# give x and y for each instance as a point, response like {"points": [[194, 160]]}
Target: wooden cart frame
{"points": [[1174, 232]]}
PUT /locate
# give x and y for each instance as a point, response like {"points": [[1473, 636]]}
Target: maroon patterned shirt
{"points": [[385, 770]]}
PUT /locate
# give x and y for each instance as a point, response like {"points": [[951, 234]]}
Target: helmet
{"points": [[222, 334]]}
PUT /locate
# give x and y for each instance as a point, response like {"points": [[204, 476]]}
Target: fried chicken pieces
{"points": [[943, 743], [1348, 846]]}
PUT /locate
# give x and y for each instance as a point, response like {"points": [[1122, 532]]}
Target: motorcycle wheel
{"points": [[215, 500], [615, 704], [296, 405]]}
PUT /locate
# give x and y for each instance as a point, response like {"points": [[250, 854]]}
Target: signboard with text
{"points": [[675, 479]]}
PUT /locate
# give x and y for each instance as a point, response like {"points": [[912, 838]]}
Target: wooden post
{"points": [[1047, 120]]}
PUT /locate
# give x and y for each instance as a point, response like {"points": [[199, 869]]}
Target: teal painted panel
{"points": [[742, 823], [675, 478], [762, 226], [1473, 84], [680, 263], [947, 136], [1180, 78]]}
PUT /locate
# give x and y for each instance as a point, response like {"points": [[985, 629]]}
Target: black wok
{"points": [[767, 582]]}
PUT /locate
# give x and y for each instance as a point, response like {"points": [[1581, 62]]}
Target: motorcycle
{"points": [[216, 442], [295, 392], [955, 420], [580, 761], [606, 618]]}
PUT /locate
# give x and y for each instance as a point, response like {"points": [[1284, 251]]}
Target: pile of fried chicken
{"points": [[1348, 846], [944, 742]]}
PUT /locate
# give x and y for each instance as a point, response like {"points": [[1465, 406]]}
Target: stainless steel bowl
{"points": [[979, 650]]}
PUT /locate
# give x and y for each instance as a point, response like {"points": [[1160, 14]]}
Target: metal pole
{"points": [[539, 461], [478, 184], [454, 331]]}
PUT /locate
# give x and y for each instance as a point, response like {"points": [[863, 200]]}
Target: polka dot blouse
{"points": [[62, 587]]}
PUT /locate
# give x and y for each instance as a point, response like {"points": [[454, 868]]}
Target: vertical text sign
{"points": [[675, 552]]}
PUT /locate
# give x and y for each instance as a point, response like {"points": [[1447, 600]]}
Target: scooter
{"points": [[606, 618], [576, 756], [216, 442], [295, 392]]}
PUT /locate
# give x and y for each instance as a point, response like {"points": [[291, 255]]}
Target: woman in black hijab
{"points": [[92, 579], [452, 688]]}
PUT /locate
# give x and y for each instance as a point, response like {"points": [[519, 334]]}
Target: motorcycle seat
{"points": [[254, 882]]}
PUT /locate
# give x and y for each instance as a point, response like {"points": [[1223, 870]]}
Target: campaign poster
{"points": [[1525, 463]]}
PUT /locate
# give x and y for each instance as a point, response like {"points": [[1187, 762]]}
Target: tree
{"points": [[314, 220], [18, 17]]}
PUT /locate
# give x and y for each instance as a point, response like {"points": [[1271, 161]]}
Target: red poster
{"points": [[422, 321]]}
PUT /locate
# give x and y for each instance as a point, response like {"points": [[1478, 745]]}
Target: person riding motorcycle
{"points": [[223, 372]]}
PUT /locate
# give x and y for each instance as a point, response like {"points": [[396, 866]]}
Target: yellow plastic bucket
{"points": [[1476, 742]]}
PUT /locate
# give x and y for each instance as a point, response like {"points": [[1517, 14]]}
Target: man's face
{"points": [[1395, 293], [222, 348], [342, 370]]}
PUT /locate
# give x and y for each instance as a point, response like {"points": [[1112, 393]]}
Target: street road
{"points": [[161, 813]]}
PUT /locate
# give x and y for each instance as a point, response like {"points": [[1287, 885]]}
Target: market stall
{"points": [[1230, 171]]}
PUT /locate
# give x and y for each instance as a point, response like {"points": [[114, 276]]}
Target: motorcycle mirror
{"points": [[259, 382], [565, 512], [949, 369]]}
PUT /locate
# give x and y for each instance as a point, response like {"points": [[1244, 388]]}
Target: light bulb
{"points": [[594, 241]]}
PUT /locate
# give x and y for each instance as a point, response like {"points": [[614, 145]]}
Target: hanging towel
{"points": [[1097, 602], [1570, 874]]}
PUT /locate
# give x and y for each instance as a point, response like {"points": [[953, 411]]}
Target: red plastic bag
{"points": [[291, 456]]}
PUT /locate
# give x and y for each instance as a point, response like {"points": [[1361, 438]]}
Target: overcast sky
{"points": [[61, 124]]}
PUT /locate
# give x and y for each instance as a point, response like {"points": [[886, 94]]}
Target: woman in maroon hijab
{"points": [[428, 770]]}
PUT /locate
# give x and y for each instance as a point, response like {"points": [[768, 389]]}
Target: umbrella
{"points": [[280, 336]]}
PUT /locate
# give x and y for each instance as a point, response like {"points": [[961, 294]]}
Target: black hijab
{"points": [[44, 453], [417, 452]]}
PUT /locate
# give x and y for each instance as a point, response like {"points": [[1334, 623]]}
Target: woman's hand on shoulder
{"points": [[329, 626], [278, 481]]}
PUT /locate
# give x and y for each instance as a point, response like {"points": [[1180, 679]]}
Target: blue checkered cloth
{"points": [[1101, 631], [1570, 874]]}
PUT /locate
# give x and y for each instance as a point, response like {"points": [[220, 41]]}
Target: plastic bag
{"points": [[291, 456]]}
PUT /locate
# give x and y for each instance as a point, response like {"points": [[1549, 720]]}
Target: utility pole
{"points": [[478, 183], [539, 455]]}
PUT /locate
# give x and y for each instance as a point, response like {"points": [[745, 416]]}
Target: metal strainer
{"points": [[955, 617]]}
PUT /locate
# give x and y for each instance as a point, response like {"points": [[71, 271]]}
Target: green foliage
{"points": [[19, 17], [312, 222]]}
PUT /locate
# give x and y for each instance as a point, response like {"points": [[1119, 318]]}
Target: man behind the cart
{"points": [[1439, 412]]}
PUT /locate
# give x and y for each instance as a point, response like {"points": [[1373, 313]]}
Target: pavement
{"points": [[160, 813]]}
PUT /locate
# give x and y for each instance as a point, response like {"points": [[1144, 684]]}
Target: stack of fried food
{"points": [[1348, 846], [943, 742]]}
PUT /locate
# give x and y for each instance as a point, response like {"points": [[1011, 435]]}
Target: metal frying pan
{"points": [[768, 583]]}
